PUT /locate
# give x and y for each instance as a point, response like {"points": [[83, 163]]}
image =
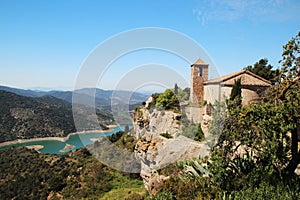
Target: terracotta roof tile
{"points": [[247, 78], [199, 62]]}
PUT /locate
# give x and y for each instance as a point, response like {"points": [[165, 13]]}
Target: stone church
{"points": [[219, 89]]}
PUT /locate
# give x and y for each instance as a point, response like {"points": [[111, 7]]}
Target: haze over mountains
{"points": [[28, 114], [103, 98]]}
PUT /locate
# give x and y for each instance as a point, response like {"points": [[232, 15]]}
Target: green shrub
{"points": [[167, 101], [279, 190], [134, 196], [166, 135], [199, 134], [166, 195], [152, 104], [192, 130]]}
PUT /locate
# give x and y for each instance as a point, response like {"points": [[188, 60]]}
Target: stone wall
{"points": [[212, 93], [194, 113], [249, 94]]}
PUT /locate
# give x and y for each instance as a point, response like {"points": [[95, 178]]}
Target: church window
{"points": [[200, 71]]}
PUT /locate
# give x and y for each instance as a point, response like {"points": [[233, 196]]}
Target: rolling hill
{"points": [[24, 117]]}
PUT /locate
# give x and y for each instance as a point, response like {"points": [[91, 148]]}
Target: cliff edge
{"points": [[154, 149]]}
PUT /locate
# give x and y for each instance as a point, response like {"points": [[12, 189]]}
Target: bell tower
{"points": [[199, 74]]}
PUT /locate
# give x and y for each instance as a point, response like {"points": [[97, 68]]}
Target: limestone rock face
{"points": [[205, 123], [155, 151], [155, 121], [146, 150]]}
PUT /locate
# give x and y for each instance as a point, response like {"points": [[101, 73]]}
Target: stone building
{"points": [[219, 89]]}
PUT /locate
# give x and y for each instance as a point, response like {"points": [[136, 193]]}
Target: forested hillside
{"points": [[26, 174], [26, 117]]}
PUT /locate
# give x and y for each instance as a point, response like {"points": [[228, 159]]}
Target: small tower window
{"points": [[200, 71]]}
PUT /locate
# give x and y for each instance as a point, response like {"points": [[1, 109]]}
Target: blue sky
{"points": [[44, 43]]}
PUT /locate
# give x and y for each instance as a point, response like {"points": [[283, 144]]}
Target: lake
{"points": [[78, 140]]}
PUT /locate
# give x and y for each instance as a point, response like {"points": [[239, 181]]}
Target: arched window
{"points": [[200, 71]]}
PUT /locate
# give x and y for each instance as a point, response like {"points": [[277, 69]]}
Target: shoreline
{"points": [[61, 139]]}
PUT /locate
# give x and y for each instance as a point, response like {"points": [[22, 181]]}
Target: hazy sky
{"points": [[44, 43]]}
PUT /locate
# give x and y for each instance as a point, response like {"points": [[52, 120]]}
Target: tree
{"points": [[167, 100], [256, 130], [236, 93], [264, 70], [199, 134], [187, 92], [289, 95], [176, 89], [290, 58], [219, 113], [182, 94], [266, 133], [192, 130]]}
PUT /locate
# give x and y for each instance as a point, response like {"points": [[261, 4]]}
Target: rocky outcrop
{"points": [[193, 113], [205, 123], [155, 121], [155, 151], [146, 151]]}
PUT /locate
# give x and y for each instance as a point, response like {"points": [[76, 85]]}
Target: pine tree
{"points": [[264, 70], [176, 89], [236, 93]]}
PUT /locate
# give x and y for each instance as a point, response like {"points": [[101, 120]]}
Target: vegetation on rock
{"points": [[167, 101], [182, 94], [117, 150], [166, 135], [191, 130]]}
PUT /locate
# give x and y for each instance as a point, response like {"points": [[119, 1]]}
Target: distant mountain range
{"points": [[103, 98], [30, 113]]}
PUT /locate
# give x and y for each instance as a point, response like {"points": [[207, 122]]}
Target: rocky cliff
{"points": [[148, 120], [155, 151]]}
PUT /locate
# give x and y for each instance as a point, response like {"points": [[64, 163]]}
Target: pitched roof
{"points": [[247, 78], [199, 62]]}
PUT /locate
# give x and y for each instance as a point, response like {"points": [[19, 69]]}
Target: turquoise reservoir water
{"points": [[78, 140]]}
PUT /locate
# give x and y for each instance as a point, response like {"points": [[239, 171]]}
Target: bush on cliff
{"points": [[167, 101]]}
